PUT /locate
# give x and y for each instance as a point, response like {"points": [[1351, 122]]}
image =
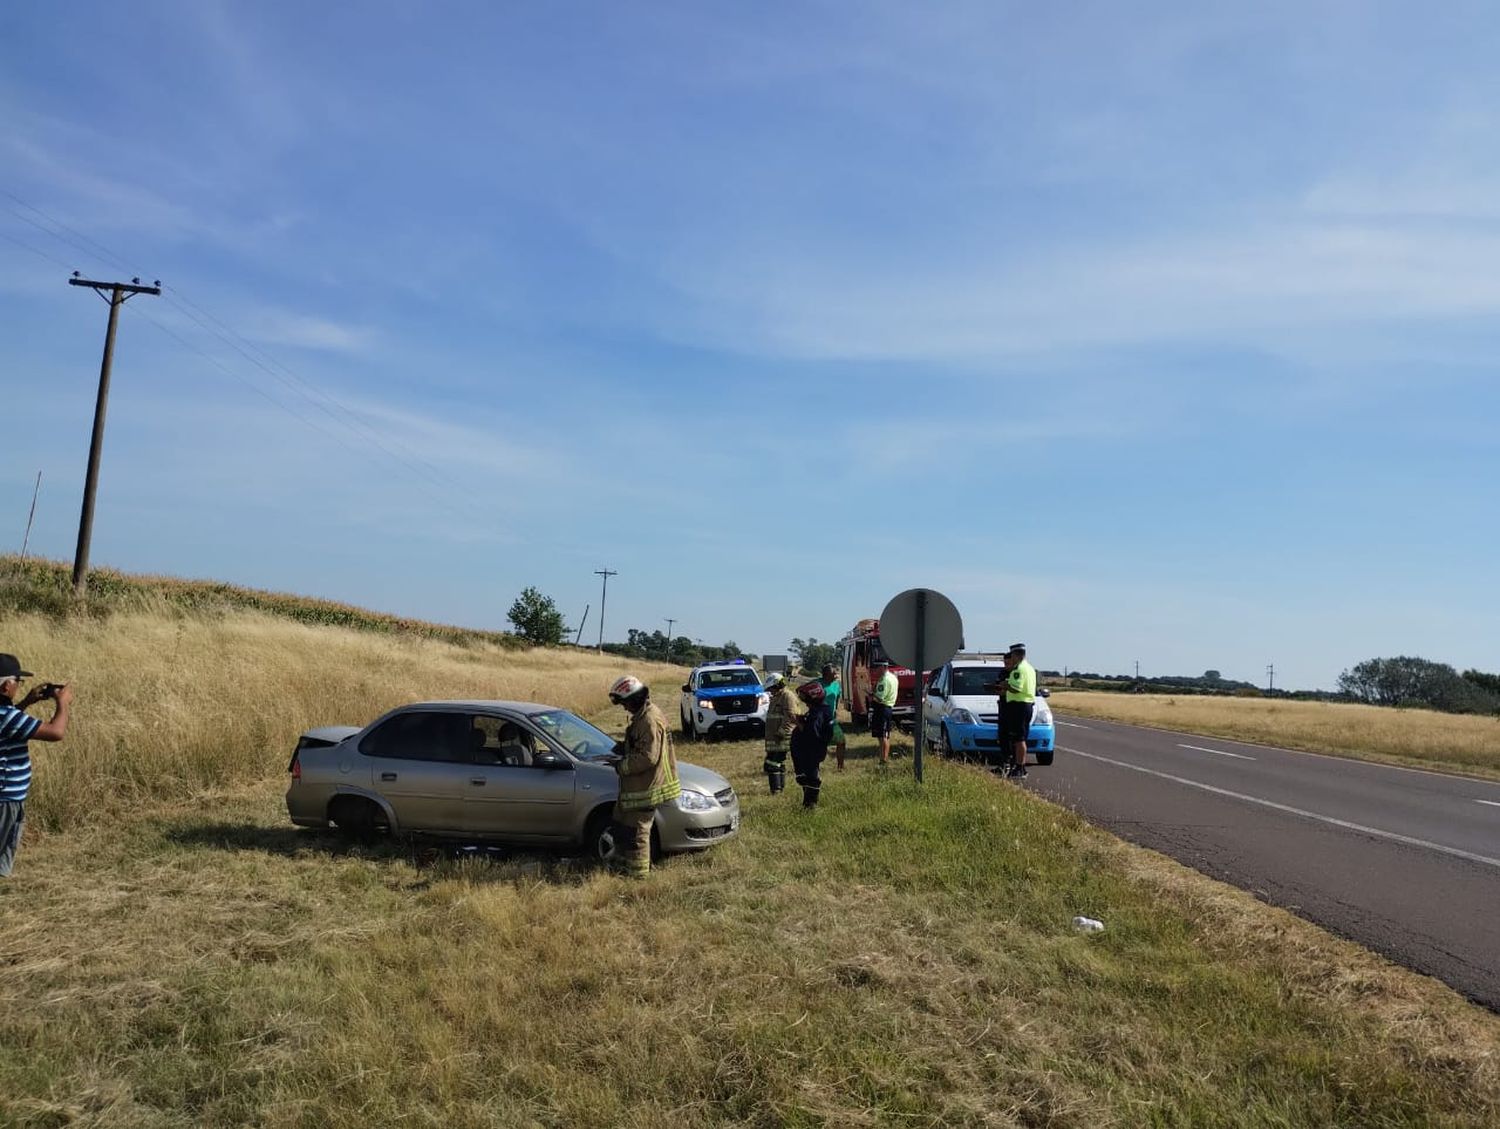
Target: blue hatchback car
{"points": [[962, 716]]}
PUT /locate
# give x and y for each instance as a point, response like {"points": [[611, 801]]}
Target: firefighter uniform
{"points": [[809, 747], [648, 778], [781, 719]]}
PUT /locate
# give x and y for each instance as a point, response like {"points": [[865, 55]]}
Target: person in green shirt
{"points": [[1016, 707], [832, 691]]}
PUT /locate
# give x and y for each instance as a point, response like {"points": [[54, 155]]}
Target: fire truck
{"points": [[861, 648]]}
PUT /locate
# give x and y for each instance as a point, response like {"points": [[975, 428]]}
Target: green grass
{"points": [[901, 956]]}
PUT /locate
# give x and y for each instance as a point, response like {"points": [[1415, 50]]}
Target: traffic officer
{"points": [[647, 768], [810, 742], [1017, 707], [781, 719]]}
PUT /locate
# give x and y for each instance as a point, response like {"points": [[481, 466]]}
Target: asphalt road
{"points": [[1405, 862]]}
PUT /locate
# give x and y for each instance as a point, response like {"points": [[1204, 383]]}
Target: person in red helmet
{"points": [[810, 741], [647, 768]]}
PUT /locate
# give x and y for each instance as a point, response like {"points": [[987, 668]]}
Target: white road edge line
{"points": [[1070, 724], [1456, 852], [1492, 803], [1217, 752]]}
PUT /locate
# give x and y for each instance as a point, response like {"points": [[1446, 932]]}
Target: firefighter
{"points": [[647, 768], [781, 719], [810, 742]]}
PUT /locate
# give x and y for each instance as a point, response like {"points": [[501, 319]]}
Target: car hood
{"points": [[700, 779], [976, 704]]}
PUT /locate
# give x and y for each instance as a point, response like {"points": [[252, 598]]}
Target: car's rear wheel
{"points": [[355, 815]]}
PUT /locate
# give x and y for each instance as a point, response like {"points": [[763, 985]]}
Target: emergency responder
{"points": [[1016, 707], [647, 768], [781, 719], [833, 690], [810, 742], [882, 707]]}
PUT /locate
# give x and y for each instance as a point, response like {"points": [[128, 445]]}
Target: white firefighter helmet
{"points": [[773, 681], [626, 686]]}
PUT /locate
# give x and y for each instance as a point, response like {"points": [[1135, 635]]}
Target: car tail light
{"points": [[296, 767]]}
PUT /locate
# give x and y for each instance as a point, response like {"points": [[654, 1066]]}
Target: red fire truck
{"points": [[859, 650]]}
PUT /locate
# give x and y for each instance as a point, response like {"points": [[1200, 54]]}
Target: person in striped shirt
{"points": [[17, 728]]}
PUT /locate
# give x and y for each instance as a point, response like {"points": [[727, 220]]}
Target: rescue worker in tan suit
{"points": [[647, 768], [781, 719]]}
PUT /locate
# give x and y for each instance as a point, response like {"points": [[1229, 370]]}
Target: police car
{"points": [[723, 698]]}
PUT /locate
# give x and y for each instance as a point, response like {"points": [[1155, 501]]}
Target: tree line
{"points": [[1410, 681]]}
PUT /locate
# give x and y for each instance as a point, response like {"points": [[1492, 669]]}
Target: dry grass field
{"points": [[170, 703], [1419, 738], [174, 953]]}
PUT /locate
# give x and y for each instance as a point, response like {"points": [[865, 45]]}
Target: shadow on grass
{"points": [[440, 858]]}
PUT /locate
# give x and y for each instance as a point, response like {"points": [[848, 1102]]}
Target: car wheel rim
{"points": [[605, 848]]}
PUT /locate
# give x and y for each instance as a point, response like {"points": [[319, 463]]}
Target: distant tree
{"points": [[1410, 681], [1487, 682], [1211, 676], [536, 618], [812, 655]]}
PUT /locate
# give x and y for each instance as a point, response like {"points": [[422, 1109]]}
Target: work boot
{"points": [[777, 781]]}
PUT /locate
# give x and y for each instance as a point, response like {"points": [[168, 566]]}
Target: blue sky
{"points": [[1164, 334]]}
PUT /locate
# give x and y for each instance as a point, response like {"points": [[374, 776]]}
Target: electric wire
{"points": [[430, 476]]}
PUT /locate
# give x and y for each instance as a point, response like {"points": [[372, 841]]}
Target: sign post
{"points": [[920, 628]]}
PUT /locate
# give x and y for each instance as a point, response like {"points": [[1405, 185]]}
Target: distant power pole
{"points": [[1270, 676], [120, 293], [1137, 669], [604, 593], [35, 490], [670, 622]]}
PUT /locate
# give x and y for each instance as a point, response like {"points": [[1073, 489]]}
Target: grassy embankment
{"points": [[173, 953], [1460, 743]]}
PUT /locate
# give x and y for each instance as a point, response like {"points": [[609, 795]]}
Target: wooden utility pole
{"points": [[119, 294], [603, 595]]}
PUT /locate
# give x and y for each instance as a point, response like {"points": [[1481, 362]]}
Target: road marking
{"points": [[1070, 724], [1218, 752], [1456, 852], [1459, 776], [1492, 803]]}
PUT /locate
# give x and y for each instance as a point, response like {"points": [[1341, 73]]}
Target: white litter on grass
{"points": [[1088, 925]]}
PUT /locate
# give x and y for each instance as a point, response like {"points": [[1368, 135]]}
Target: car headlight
{"points": [[764, 700], [1042, 715], [696, 801], [963, 717], [705, 704]]}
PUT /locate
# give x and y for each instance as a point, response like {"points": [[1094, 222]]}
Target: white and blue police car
{"points": [[724, 699]]}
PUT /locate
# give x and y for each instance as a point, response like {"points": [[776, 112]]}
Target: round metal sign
{"points": [[920, 616]]}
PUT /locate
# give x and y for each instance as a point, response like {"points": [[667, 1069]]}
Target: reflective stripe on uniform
{"points": [[652, 797]]}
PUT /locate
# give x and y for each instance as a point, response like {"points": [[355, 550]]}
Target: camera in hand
{"points": [[49, 689]]}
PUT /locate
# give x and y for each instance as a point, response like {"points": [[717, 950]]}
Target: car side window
{"points": [[419, 736], [500, 741]]}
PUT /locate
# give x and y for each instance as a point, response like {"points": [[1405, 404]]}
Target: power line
{"points": [[443, 486]]}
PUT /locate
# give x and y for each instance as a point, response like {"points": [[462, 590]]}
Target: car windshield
{"points": [[976, 680], [574, 734], [715, 679]]}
